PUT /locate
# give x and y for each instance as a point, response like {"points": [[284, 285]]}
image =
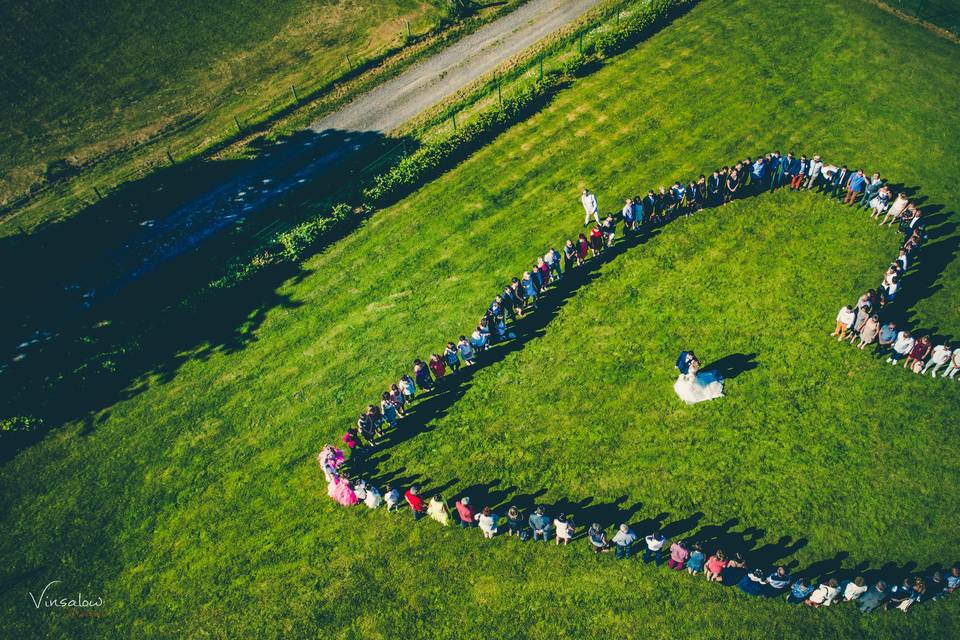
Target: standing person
{"points": [[692, 204], [654, 550], [895, 210], [845, 319], [678, 555], [938, 357], [758, 172], [921, 349], [813, 175], [539, 523], [438, 510], [609, 230], [589, 202], [880, 203], [564, 528], [438, 367], [649, 206], [870, 191], [596, 241], [388, 410], [412, 496], [773, 170], [421, 374], [515, 524], [869, 331], [529, 289], [555, 264], [407, 387], [886, 338], [452, 357], [701, 188], [466, 350], [901, 347], [392, 497], [733, 184], [627, 213], [800, 175], [855, 187], [838, 182], [465, 512], [714, 189], [399, 400], [598, 539], [583, 247], [788, 167], [624, 539], [487, 520], [569, 256], [952, 367]]}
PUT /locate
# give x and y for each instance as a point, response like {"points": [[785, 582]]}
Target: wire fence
{"points": [[941, 13]]}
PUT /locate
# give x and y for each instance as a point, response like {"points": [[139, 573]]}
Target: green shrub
{"points": [[20, 424]]}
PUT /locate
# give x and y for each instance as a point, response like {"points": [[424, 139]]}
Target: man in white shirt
{"points": [[902, 347], [589, 202], [824, 595], [939, 357], [854, 589], [845, 319], [655, 542], [816, 166]]}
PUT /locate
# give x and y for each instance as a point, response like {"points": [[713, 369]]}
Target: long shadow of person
{"points": [[733, 365]]}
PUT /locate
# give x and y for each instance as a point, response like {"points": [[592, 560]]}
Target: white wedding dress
{"points": [[697, 386]]}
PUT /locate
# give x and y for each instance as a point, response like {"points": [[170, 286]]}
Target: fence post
{"points": [[296, 98], [170, 157], [618, 16], [541, 67], [454, 118], [349, 64], [581, 42], [237, 122], [408, 30], [97, 191], [499, 95]]}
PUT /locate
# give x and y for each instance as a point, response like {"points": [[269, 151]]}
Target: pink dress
{"points": [[333, 486], [346, 495]]}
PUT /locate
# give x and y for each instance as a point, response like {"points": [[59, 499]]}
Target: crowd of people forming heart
{"points": [[861, 324]]}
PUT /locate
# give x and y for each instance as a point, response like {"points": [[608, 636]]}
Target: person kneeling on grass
{"points": [[873, 598], [624, 539], [845, 319], [696, 561], [753, 583], [777, 581], [715, 565], [800, 591], [678, 555], [824, 595], [598, 539], [487, 520]]}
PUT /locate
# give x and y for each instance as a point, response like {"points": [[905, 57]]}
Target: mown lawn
{"points": [[85, 79], [196, 509]]}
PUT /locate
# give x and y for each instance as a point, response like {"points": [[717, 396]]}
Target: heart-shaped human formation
{"points": [[513, 313]]}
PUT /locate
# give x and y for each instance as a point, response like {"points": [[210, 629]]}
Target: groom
{"points": [[684, 360]]}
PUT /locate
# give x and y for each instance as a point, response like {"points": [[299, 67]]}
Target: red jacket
{"points": [[414, 501]]}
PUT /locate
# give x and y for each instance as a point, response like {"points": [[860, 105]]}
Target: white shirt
{"points": [[941, 354], [904, 343], [815, 168], [846, 316], [563, 529], [824, 595], [487, 523], [627, 210], [852, 592], [373, 499], [589, 202], [654, 543]]}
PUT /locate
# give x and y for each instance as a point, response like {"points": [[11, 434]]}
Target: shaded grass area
{"points": [[192, 505], [90, 79]]}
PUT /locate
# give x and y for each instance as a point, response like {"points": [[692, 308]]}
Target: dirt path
{"points": [[427, 83], [313, 159]]}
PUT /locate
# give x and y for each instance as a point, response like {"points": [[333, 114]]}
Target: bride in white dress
{"points": [[697, 386]]}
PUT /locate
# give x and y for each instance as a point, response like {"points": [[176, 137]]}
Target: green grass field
{"points": [[88, 80], [195, 508]]}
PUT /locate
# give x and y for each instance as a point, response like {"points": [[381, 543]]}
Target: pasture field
{"points": [[92, 80], [195, 507]]}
